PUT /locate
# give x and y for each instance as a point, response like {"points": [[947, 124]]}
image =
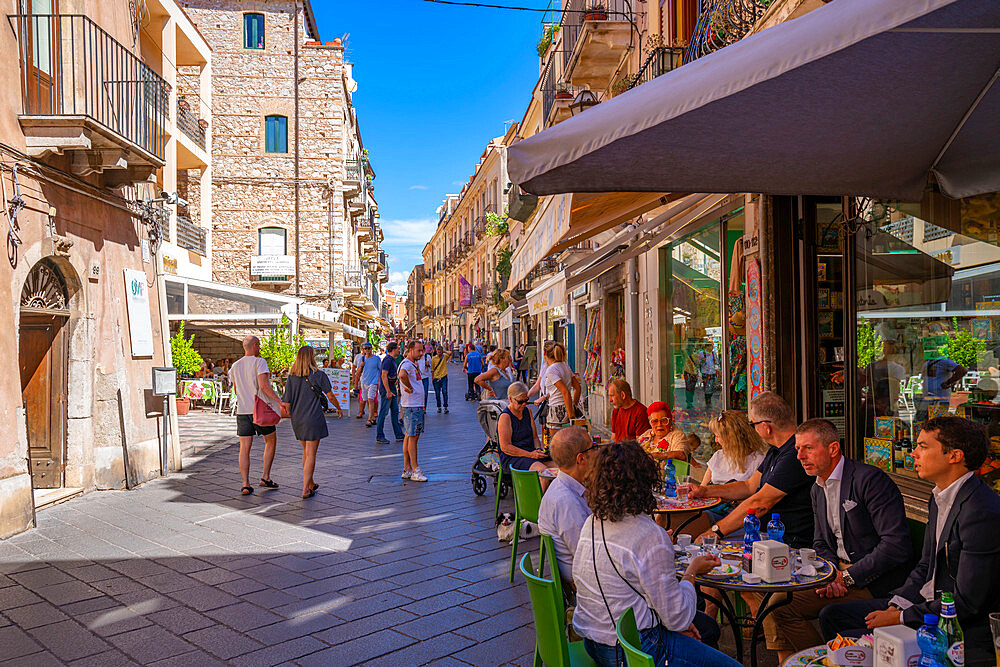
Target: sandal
{"points": [[246, 490], [310, 494], [315, 486], [268, 483], [370, 424]]}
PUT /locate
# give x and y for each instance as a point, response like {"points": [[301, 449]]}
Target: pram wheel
{"points": [[479, 484], [504, 488]]}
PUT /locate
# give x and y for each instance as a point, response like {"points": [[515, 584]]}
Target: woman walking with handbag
{"points": [[304, 403]]}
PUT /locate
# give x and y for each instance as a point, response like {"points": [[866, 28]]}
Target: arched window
{"points": [[276, 134], [253, 31]]}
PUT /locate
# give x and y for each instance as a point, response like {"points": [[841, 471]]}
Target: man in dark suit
{"points": [[961, 553], [859, 524]]}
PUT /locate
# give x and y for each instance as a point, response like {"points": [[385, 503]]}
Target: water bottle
{"points": [[669, 479], [932, 643], [948, 625], [751, 533], [775, 529]]}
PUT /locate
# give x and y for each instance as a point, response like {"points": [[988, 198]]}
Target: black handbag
{"points": [[323, 403]]}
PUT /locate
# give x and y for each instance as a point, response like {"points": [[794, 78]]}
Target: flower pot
{"points": [[203, 124], [564, 95], [183, 405], [595, 16], [184, 104]]}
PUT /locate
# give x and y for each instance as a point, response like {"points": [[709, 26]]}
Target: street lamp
{"points": [[583, 101]]}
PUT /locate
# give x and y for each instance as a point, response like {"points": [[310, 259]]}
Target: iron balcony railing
{"points": [[355, 170], [191, 236], [71, 67], [723, 22], [354, 277], [576, 12], [660, 60], [191, 126]]}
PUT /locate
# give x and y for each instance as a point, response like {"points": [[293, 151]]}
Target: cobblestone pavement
{"points": [[184, 570]]}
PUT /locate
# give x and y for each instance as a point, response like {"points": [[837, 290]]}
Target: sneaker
{"points": [[446, 410], [439, 410], [417, 476], [399, 440], [381, 441], [407, 474]]}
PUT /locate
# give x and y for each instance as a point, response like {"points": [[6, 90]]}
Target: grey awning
{"points": [[858, 97]]}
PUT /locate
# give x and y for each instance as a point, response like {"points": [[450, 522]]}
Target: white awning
{"points": [[550, 294], [197, 300]]}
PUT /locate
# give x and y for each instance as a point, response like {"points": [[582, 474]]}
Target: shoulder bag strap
{"points": [[656, 617], [315, 390]]}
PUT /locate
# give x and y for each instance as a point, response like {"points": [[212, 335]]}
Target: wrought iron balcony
{"points": [[354, 176], [191, 236], [87, 94], [595, 36], [723, 22], [660, 60], [190, 125]]}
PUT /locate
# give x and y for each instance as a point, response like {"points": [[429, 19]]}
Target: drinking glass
{"points": [[710, 545], [683, 540], [995, 627], [683, 489]]}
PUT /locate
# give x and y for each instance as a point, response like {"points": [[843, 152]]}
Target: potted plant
{"points": [[202, 123], [183, 103], [548, 34], [186, 360], [596, 12], [564, 94]]}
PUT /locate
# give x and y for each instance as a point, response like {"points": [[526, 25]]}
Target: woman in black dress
{"points": [[304, 403]]}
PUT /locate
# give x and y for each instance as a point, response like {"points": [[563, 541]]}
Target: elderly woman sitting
{"points": [[519, 444], [663, 441]]}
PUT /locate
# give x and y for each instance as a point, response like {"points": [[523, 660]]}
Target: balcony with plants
{"points": [[595, 36]]}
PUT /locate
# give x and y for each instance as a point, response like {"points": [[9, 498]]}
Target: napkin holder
{"points": [[896, 646], [852, 656], [772, 561]]}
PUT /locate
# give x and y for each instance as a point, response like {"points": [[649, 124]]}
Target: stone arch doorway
{"points": [[43, 361]]}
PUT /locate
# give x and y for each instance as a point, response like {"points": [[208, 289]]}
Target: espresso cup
{"points": [[807, 555], [684, 540]]}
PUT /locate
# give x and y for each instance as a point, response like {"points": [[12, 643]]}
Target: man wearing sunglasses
{"points": [[563, 509]]}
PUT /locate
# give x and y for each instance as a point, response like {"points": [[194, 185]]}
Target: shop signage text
{"points": [[272, 265], [169, 265], [140, 323]]}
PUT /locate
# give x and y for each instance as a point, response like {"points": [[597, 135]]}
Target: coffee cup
{"points": [[693, 550], [807, 555], [684, 540]]}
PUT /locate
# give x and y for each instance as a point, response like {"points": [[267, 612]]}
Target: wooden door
{"points": [[41, 52], [42, 360]]}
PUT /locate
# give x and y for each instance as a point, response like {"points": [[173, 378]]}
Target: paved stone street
{"points": [[184, 570]]}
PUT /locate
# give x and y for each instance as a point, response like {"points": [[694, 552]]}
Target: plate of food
{"points": [[724, 570]]}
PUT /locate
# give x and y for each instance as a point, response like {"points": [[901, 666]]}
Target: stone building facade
{"points": [[291, 181]]}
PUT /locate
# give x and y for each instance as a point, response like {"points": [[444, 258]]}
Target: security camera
{"points": [[172, 198]]}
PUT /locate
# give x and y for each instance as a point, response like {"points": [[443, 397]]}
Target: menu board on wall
{"points": [[340, 380]]}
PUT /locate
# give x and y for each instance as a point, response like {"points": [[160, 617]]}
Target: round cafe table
{"points": [[810, 657], [774, 595], [670, 506]]}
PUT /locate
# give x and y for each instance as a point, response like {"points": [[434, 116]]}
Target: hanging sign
{"points": [[140, 323], [464, 292], [755, 346]]}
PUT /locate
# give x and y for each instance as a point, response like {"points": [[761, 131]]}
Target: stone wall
{"points": [[253, 188]]}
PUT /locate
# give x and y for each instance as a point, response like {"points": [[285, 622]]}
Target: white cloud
{"points": [[418, 187], [405, 241]]}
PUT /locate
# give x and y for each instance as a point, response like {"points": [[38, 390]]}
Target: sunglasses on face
{"points": [[594, 446], [521, 401], [762, 421]]}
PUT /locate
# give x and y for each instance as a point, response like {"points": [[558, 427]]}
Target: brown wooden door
{"points": [[42, 361], [41, 53]]}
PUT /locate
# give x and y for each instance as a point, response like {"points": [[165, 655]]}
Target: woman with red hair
{"points": [[663, 441]]}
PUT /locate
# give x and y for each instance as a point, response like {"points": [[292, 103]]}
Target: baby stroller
{"points": [[487, 463]]}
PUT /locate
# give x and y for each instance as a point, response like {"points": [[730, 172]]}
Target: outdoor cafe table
{"points": [[670, 507], [810, 657], [825, 572], [201, 390]]}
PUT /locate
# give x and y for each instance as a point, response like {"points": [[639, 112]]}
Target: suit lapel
{"points": [[845, 492], [963, 494]]}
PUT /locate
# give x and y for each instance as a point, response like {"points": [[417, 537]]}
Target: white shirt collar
{"points": [[835, 476], [571, 482], [947, 495]]}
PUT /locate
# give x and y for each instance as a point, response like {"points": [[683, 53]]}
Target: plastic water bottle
{"points": [[751, 533], [954, 638], [775, 529], [669, 479], [932, 643]]}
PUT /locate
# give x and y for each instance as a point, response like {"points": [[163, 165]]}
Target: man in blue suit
{"points": [[859, 524], [961, 553]]}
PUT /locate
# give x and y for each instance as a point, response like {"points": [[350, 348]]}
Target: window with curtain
{"points": [[253, 31], [272, 241], [276, 134]]}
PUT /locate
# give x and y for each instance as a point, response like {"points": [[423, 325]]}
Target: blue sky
{"points": [[435, 84]]}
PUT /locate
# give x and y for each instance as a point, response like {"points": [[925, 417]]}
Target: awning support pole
{"points": [[632, 327], [965, 118]]}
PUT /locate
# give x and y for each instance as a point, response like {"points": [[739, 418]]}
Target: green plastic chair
{"points": [[628, 637], [681, 468], [501, 475], [527, 498], [548, 550], [551, 646]]}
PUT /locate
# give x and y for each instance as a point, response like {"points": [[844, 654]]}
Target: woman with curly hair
{"points": [[625, 560]]}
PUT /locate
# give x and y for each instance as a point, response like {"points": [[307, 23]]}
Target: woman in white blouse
{"points": [[742, 449], [625, 560]]}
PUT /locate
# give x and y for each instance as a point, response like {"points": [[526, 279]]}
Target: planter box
{"points": [[183, 405]]}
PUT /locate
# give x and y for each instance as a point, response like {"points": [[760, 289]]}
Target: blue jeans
{"points": [[385, 406], [665, 646], [427, 384], [441, 390]]}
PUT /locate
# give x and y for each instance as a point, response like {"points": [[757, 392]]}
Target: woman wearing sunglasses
{"points": [[663, 441], [519, 444]]}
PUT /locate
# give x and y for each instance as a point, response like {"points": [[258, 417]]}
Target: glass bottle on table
{"points": [[948, 625]]}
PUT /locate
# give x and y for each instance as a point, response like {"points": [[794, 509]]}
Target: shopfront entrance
{"points": [[43, 363]]}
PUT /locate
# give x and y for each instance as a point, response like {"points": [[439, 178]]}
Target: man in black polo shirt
{"points": [[780, 484]]}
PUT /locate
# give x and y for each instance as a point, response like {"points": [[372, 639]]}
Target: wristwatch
{"points": [[848, 579], [715, 529]]}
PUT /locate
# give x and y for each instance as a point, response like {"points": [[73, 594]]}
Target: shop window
{"points": [[253, 31], [927, 329], [276, 134]]}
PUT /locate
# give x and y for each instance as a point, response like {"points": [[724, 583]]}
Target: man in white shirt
{"points": [[563, 509], [412, 399], [251, 376]]}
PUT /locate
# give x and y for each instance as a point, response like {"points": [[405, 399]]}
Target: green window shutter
{"points": [[276, 134], [253, 31]]}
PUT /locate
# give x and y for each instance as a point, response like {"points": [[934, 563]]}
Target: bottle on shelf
{"points": [[669, 479], [931, 642], [751, 533], [775, 529], [948, 625]]}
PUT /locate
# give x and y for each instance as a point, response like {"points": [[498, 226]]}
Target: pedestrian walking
{"points": [[356, 366], [424, 364], [518, 358], [413, 399], [439, 373], [304, 400], [251, 377], [709, 372], [388, 396], [368, 375], [473, 366]]}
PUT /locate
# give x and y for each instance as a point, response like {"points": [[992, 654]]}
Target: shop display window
{"points": [[927, 324]]}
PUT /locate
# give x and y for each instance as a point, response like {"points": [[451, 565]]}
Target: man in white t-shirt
{"points": [[424, 366], [250, 377], [413, 399]]}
